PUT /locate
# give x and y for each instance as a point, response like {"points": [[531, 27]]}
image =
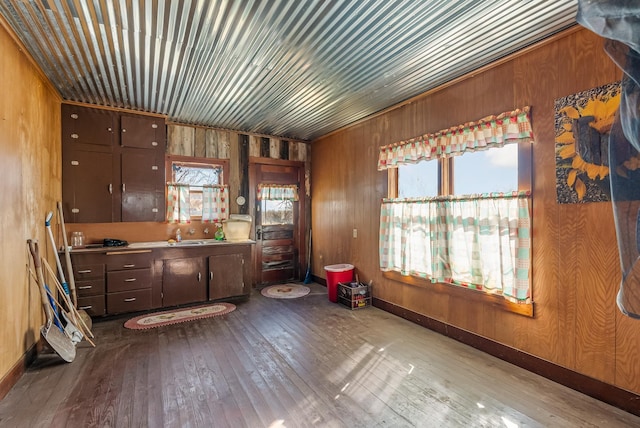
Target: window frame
{"points": [[445, 187], [170, 159], [446, 167]]}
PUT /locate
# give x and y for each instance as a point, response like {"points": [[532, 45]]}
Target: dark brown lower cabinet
{"points": [[184, 281], [112, 281], [226, 278]]}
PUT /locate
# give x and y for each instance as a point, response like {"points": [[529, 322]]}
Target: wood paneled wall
{"points": [[576, 272], [30, 161]]}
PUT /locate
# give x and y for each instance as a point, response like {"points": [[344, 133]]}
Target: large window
{"points": [[458, 209], [487, 171]]}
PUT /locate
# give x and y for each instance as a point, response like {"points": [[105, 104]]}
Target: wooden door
{"points": [[183, 281], [279, 226]]}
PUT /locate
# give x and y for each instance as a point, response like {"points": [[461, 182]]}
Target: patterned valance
{"points": [[492, 131], [277, 192]]}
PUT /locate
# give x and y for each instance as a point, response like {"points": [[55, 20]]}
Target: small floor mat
{"points": [[175, 316], [285, 291]]}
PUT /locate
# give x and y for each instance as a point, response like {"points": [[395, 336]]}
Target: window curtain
{"points": [[277, 192], [492, 131], [215, 203], [478, 241], [178, 203]]}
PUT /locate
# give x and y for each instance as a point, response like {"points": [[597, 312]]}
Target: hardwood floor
{"points": [[291, 363]]}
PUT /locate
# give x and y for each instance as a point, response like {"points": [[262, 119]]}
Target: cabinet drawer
{"points": [[90, 287], [83, 272], [129, 301], [93, 305], [125, 280], [123, 260]]}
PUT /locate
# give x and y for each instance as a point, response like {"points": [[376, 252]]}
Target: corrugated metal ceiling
{"points": [[292, 68]]}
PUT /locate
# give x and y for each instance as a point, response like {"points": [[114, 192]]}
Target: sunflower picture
{"points": [[582, 125]]}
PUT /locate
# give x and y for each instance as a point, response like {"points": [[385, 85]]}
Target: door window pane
{"points": [[276, 212]]}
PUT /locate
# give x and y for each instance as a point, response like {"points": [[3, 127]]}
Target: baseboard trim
{"points": [[16, 372], [607, 393]]}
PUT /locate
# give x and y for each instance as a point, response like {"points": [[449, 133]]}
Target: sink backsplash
{"points": [[94, 233]]}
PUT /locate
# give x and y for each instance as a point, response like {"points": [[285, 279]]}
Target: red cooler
{"points": [[335, 274]]}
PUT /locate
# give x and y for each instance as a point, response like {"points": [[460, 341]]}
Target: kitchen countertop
{"points": [[187, 243]]}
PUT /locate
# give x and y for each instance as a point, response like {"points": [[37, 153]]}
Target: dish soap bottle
{"points": [[178, 236], [219, 235]]}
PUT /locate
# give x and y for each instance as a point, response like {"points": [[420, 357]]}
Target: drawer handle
{"points": [[129, 266], [84, 308], [85, 271], [210, 275], [131, 299], [85, 287], [129, 280], [199, 276], [121, 253]]}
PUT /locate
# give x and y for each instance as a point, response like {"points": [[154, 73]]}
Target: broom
{"points": [[307, 278]]}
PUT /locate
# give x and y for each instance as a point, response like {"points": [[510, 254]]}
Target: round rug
{"points": [[285, 291], [179, 315]]}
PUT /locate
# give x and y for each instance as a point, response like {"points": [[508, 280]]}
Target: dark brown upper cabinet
{"points": [[113, 166]]}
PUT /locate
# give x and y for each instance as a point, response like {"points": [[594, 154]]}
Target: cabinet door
{"points": [[142, 174], [144, 132], [87, 187], [83, 125], [183, 281], [226, 276]]}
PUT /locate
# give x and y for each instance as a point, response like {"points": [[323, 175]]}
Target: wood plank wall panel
{"points": [[598, 271], [627, 368], [293, 150], [211, 144], [30, 160], [200, 143], [576, 322], [274, 148], [181, 140], [553, 328], [223, 144], [302, 149], [254, 145]]}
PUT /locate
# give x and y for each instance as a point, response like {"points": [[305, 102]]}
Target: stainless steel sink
{"points": [[185, 243], [188, 243], [195, 242]]}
